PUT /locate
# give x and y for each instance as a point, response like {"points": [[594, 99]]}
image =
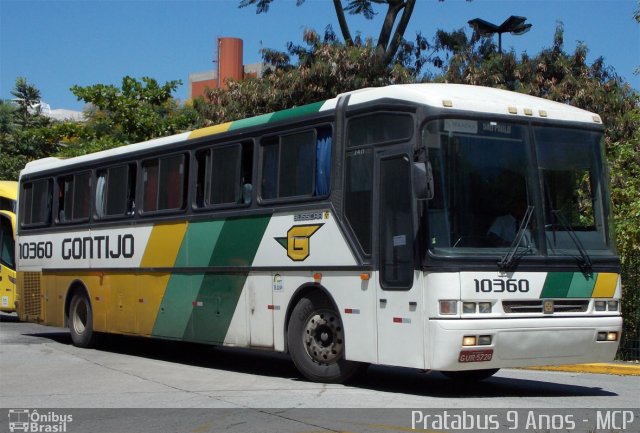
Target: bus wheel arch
{"points": [[314, 336], [79, 315]]}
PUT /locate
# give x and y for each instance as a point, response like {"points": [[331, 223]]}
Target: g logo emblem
{"points": [[297, 241]]}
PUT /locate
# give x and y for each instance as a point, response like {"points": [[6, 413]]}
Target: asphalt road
{"points": [[39, 368]]}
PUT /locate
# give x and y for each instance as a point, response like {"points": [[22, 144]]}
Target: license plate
{"points": [[480, 355]]}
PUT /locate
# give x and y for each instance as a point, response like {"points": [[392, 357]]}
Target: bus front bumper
{"points": [[520, 342]]}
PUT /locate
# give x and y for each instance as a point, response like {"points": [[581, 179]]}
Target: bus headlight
{"points": [[448, 307], [612, 305], [601, 305], [469, 340], [607, 336]]}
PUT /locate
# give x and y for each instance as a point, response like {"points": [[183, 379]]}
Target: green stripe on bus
{"points": [[290, 113], [303, 110], [252, 121], [582, 285], [218, 296], [568, 285], [556, 285], [182, 290]]}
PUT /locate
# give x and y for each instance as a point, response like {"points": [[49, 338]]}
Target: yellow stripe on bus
{"points": [[605, 285], [217, 129], [163, 245]]}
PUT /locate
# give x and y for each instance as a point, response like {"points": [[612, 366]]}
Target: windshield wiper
{"points": [[584, 260], [513, 255]]}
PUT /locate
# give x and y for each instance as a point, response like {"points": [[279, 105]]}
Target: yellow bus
{"points": [[8, 195]]}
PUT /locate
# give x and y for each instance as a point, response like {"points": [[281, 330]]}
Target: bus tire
{"points": [[316, 341], [470, 375], [80, 321]]}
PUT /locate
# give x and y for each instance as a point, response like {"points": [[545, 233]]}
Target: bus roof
{"points": [[455, 97], [9, 189]]}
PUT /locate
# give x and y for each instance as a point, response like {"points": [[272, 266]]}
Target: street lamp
{"points": [[514, 25]]}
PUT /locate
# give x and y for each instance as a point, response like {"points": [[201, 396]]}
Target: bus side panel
{"points": [[210, 305], [356, 302], [7, 289], [260, 313]]}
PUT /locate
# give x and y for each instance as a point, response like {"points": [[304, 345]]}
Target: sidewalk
{"points": [[618, 368]]}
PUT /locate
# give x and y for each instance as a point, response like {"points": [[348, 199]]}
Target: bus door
{"points": [[399, 297], [7, 265]]}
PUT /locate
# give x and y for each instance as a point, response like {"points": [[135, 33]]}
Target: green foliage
{"points": [[325, 69], [21, 129], [137, 111]]}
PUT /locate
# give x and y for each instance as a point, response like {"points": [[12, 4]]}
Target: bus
{"points": [[439, 227], [8, 196]]}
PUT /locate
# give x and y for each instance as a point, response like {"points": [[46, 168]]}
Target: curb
{"points": [[599, 368]]}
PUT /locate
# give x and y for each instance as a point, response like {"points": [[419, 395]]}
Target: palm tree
{"points": [[27, 97]]}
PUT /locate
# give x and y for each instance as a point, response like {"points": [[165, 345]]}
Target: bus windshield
{"points": [[493, 185]]}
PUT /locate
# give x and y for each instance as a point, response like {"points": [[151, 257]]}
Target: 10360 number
{"points": [[498, 286]]}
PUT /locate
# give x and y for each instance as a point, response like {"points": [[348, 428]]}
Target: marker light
{"points": [[601, 305], [602, 336], [485, 307], [448, 307], [612, 336], [468, 307], [469, 340]]}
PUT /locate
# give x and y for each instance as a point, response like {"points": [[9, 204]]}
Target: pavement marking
{"points": [[598, 368]]}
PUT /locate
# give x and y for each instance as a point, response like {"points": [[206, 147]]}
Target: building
{"points": [[229, 63]]}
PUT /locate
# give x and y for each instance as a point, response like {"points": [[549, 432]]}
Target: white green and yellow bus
{"points": [[432, 226], [8, 197]]}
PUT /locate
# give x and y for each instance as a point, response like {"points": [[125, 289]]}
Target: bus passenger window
{"points": [[36, 207], [73, 197], [115, 191], [296, 165], [270, 151], [163, 183], [225, 175]]}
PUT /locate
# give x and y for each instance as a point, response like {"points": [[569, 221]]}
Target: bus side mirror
{"points": [[423, 180]]}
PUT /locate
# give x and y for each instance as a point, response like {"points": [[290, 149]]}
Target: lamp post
{"points": [[514, 25]]}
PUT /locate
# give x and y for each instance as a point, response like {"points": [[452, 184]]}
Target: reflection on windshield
{"points": [[569, 163], [481, 192], [485, 182]]}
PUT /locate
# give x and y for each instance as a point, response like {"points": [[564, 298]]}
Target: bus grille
{"points": [[31, 298], [536, 306]]}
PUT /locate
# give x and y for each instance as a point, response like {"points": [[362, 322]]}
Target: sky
{"points": [[56, 44]]}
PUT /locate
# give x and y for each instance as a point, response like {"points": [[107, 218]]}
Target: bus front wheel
{"points": [[315, 336], [81, 320]]}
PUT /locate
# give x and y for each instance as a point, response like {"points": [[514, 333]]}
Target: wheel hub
{"points": [[323, 337]]}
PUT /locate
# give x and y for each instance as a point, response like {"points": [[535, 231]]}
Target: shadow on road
{"points": [[377, 378], [9, 318]]}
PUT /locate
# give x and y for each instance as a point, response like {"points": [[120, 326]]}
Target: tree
{"points": [[391, 39], [325, 68], [137, 111], [20, 126], [27, 98]]}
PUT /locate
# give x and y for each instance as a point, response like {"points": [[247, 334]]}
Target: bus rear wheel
{"points": [[80, 321], [470, 375], [315, 336]]}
